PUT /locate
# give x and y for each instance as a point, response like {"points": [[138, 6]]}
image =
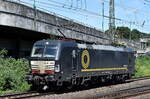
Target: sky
{"points": [[133, 13]]}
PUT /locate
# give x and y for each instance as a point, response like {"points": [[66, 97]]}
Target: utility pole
{"points": [[103, 16], [35, 12], [112, 19], [130, 32]]}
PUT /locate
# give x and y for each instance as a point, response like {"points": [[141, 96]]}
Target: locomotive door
{"points": [[74, 61]]}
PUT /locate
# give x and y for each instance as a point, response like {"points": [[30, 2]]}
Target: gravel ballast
{"points": [[96, 92]]}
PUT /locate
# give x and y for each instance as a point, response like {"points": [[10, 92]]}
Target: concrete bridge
{"points": [[20, 16], [21, 26]]}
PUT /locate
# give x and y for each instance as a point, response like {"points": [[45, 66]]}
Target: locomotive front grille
{"points": [[42, 66], [34, 66]]}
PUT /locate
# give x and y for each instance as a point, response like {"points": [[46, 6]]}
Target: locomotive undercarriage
{"points": [[85, 81], [43, 82]]}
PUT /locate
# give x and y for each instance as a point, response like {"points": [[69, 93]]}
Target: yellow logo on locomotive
{"points": [[85, 59]]}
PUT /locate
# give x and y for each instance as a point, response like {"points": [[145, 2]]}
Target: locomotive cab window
{"points": [[42, 51], [37, 51], [50, 51]]}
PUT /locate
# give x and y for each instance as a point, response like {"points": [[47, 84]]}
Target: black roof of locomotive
{"points": [[72, 43], [43, 42]]}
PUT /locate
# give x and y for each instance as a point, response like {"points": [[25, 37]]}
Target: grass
{"points": [[12, 74], [142, 66]]}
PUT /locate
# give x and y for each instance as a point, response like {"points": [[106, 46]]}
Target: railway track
{"points": [[117, 95], [137, 79], [23, 95], [126, 93]]}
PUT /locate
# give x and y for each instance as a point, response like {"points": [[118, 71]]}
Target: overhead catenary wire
{"points": [[71, 8], [82, 11], [131, 9]]}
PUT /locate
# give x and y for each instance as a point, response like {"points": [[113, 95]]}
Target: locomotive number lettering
{"points": [[85, 59]]}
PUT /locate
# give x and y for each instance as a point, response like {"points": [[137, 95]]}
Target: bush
{"points": [[12, 73], [142, 66]]}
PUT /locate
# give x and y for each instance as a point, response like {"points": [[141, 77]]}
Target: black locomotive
{"points": [[58, 62]]}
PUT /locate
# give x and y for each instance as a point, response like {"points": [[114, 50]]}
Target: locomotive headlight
{"points": [[34, 65], [33, 62]]}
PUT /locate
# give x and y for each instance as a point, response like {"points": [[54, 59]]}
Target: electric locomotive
{"points": [[57, 63]]}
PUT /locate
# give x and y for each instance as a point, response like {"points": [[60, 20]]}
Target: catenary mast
{"points": [[112, 19]]}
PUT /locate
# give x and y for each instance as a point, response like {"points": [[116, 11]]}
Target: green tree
{"points": [[123, 32], [135, 34], [12, 74]]}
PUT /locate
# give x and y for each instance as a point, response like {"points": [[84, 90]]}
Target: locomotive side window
{"points": [[50, 51], [37, 51]]}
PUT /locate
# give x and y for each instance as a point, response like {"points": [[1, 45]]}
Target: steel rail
{"points": [[117, 94], [121, 94], [24, 95], [137, 79]]}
